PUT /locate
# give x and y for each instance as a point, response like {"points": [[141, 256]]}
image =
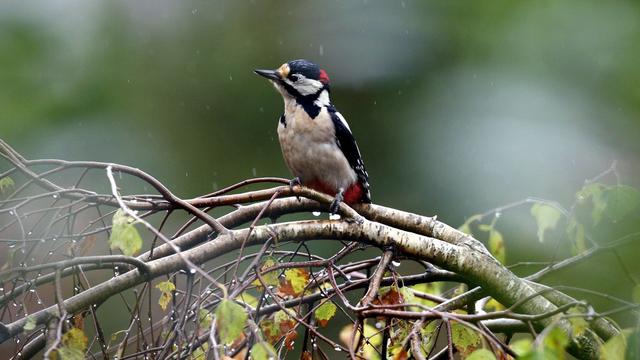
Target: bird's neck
{"points": [[312, 104]]}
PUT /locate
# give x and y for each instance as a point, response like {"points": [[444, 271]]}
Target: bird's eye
{"points": [[294, 77]]}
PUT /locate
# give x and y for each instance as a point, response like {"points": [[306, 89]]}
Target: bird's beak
{"points": [[269, 74]]}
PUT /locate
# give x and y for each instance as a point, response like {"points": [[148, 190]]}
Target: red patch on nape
{"points": [[324, 78]]}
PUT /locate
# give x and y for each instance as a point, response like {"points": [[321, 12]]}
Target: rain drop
{"points": [[337, 348], [395, 263], [316, 213], [55, 196], [334, 217], [192, 271]]}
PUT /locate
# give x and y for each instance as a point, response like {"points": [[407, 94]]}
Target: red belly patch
{"points": [[351, 196]]}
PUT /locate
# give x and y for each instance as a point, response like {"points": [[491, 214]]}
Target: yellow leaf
{"points": [[167, 288]]}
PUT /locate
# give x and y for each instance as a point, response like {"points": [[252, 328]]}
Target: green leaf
{"points": [[575, 231], [74, 345], [466, 227], [204, 319], [578, 324], [248, 299], [231, 319], [522, 347], [593, 192], [6, 183], [633, 344], [481, 354], [554, 342], [546, 217], [31, 323], [496, 246], [635, 294], [166, 288], [485, 227], [466, 340], [263, 351], [124, 235], [200, 353], [614, 348], [621, 200], [270, 278], [325, 312]]}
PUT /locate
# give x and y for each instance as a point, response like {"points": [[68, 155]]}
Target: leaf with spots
{"points": [[269, 278], [166, 292], [465, 339], [325, 312], [74, 345], [294, 282], [231, 319]]}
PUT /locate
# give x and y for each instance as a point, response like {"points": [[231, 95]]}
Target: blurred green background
{"points": [[458, 107]]}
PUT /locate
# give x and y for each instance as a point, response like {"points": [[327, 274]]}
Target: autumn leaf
{"points": [[325, 312], [166, 288], [74, 345], [230, 319]]}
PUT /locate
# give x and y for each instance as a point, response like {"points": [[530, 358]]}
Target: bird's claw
{"points": [[335, 204], [295, 182]]}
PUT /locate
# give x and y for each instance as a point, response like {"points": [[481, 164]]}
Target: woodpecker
{"points": [[317, 144]]}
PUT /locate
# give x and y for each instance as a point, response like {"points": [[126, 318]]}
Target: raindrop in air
{"points": [[55, 196]]}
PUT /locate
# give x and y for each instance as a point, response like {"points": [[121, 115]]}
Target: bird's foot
{"points": [[335, 204], [295, 182]]}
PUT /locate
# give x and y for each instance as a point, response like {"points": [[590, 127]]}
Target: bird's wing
{"points": [[347, 143]]}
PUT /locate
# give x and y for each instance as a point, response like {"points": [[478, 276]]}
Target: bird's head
{"points": [[298, 78]]}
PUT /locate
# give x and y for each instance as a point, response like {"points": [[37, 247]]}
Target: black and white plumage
{"points": [[317, 144]]}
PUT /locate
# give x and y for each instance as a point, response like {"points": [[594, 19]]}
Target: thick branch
{"points": [[476, 267]]}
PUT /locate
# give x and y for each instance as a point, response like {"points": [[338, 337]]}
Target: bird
{"points": [[317, 144]]}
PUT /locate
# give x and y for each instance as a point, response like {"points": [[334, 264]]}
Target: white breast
{"points": [[309, 148]]}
